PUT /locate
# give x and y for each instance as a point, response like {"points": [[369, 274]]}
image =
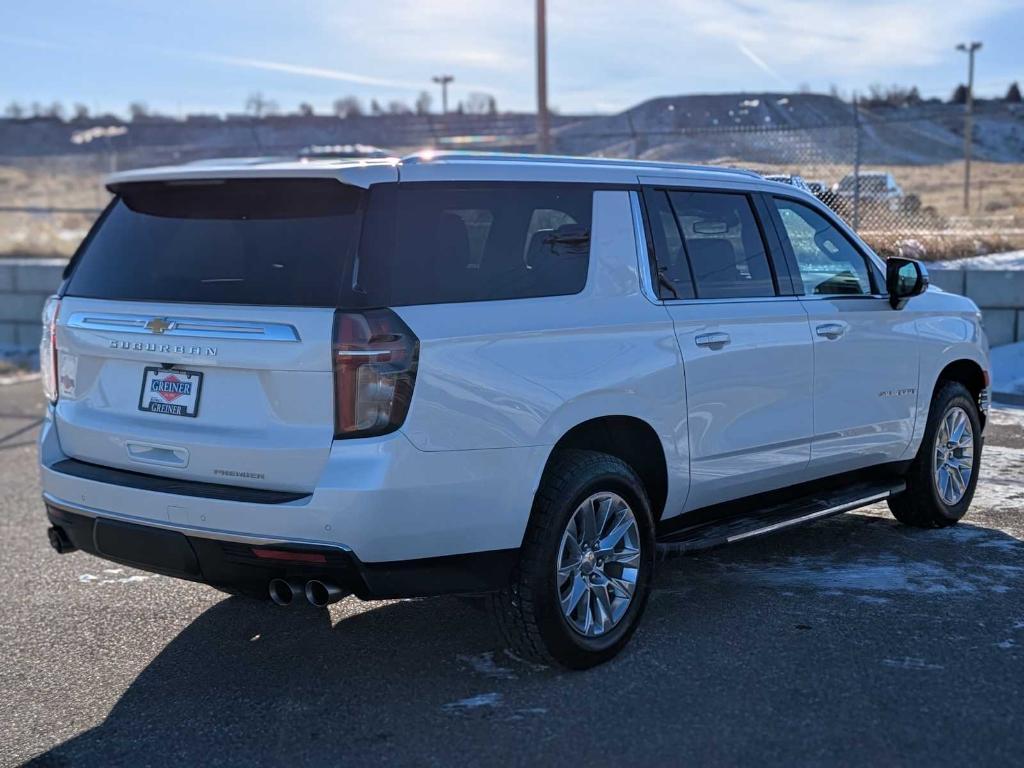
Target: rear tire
{"points": [[570, 602], [938, 490]]}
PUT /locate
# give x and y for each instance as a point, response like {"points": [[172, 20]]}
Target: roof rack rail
{"points": [[429, 155]]}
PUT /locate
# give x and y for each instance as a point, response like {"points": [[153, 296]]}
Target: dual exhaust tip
{"points": [[319, 593]]}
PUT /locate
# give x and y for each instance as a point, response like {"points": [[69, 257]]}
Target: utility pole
{"points": [[969, 49], [443, 81], [543, 120]]}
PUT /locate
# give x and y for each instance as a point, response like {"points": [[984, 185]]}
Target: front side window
{"points": [[723, 244], [829, 263]]}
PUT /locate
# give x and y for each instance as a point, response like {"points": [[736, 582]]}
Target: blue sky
{"points": [[604, 55]]}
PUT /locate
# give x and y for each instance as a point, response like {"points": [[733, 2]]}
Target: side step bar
{"points": [[799, 511]]}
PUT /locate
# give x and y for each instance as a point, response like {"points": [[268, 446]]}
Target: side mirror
{"points": [[904, 279]]}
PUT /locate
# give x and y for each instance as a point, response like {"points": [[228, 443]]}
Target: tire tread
{"points": [[516, 608]]}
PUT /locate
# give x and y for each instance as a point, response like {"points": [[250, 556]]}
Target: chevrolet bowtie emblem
{"points": [[159, 325]]}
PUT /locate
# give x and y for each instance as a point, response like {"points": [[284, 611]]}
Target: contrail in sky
{"points": [[761, 63]]}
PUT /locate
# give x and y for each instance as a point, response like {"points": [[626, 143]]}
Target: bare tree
{"points": [[259, 106], [891, 96], [375, 107], [14, 110], [480, 103], [959, 95], [306, 109], [347, 106], [423, 102], [80, 112], [138, 110], [397, 107], [492, 105], [35, 109], [54, 110]]}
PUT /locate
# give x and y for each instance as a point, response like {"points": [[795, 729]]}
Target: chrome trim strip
{"points": [[183, 326], [188, 530], [643, 256], [735, 300], [821, 513]]}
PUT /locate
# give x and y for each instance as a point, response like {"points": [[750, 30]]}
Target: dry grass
{"points": [[48, 183]]}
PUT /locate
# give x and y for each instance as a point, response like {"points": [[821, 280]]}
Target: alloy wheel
{"points": [[598, 564], [953, 457]]}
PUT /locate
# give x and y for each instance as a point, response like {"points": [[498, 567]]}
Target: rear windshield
{"points": [[272, 241], [321, 243]]}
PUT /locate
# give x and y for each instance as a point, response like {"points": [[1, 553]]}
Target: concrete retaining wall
{"points": [[24, 286], [999, 293]]}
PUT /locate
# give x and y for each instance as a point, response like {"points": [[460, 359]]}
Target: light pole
{"points": [[543, 121], [443, 81], [969, 49]]}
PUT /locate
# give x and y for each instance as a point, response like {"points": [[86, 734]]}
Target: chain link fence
{"points": [[896, 175]]}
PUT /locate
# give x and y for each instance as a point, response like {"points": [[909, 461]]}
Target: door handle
{"points": [[831, 330], [712, 340]]}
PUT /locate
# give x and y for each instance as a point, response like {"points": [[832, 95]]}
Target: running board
{"points": [[799, 511]]}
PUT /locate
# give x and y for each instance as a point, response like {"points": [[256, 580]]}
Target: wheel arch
{"points": [[968, 372], [630, 439]]}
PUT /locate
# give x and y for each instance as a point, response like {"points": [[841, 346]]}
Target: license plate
{"points": [[171, 391]]}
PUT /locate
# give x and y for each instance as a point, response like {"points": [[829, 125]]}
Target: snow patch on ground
{"points": [[485, 665], [1007, 416], [1008, 368], [881, 573], [112, 576], [999, 485], [910, 663], [480, 701], [1007, 260]]}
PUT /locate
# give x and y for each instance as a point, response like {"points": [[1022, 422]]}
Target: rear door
{"points": [[745, 344], [194, 333], [866, 354]]}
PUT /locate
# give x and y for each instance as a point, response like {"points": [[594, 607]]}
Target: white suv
{"points": [[489, 374]]}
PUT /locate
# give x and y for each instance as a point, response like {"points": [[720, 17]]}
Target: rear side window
{"points": [[253, 241], [723, 244], [429, 243]]}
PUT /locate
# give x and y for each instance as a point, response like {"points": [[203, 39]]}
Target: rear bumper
{"points": [[246, 564], [381, 499]]}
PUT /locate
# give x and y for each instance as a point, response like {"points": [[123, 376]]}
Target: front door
{"points": [[865, 352]]}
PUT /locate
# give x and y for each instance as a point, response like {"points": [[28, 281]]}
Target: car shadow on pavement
{"points": [[836, 637]]}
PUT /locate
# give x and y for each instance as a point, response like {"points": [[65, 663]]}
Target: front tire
{"points": [[943, 476], [585, 566]]}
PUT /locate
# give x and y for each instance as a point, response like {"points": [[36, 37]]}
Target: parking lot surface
{"points": [[852, 641]]}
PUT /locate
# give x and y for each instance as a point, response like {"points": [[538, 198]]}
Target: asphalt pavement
{"points": [[854, 641]]}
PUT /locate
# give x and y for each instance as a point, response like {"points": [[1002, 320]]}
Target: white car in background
{"points": [[878, 191], [513, 375]]}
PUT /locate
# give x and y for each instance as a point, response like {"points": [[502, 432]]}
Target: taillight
{"points": [[48, 348], [374, 358]]}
